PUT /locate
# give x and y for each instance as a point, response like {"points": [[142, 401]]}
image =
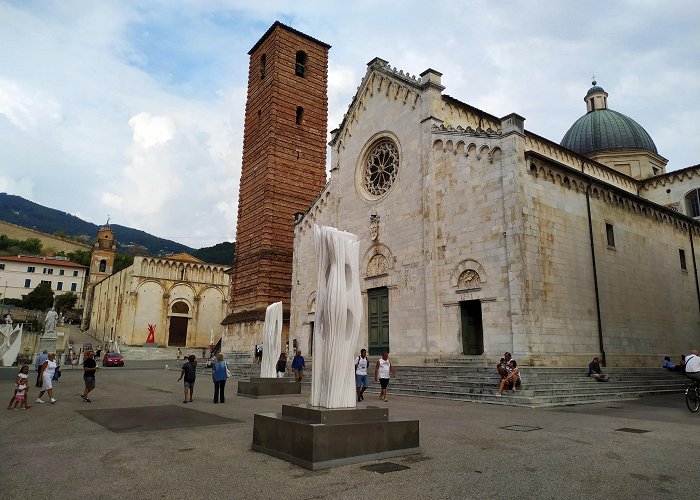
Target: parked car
{"points": [[113, 359]]}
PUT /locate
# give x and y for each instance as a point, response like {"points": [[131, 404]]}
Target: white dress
{"points": [[47, 377]]}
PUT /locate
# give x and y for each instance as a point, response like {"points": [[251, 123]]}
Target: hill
{"points": [[22, 212], [221, 253]]}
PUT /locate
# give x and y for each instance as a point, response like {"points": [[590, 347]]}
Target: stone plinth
{"points": [[48, 343], [259, 388], [320, 438]]}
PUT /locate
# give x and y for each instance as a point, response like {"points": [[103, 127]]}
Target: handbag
{"points": [[56, 374], [228, 372]]}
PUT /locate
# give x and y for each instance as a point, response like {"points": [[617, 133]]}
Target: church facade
{"points": [[478, 236], [182, 296]]}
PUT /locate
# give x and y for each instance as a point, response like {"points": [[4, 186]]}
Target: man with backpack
{"points": [[361, 381]]}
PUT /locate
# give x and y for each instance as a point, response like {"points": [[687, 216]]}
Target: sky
{"points": [[134, 110]]}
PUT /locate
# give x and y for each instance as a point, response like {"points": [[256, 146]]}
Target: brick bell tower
{"points": [[283, 172]]}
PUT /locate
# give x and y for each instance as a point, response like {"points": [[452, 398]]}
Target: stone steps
{"points": [[541, 386]]}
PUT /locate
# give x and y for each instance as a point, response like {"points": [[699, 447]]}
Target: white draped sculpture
{"points": [[338, 318], [272, 340]]}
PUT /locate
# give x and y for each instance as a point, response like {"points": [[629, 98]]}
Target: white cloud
{"points": [[136, 110]]}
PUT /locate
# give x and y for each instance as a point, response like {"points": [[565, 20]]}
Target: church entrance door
{"points": [[378, 320], [472, 328], [178, 331]]}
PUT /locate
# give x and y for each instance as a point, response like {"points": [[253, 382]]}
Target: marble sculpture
{"points": [[338, 318], [272, 340]]}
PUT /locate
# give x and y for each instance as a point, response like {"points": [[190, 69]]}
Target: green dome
{"points": [[604, 130]]}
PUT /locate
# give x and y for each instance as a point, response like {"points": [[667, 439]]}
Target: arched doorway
{"points": [[179, 317]]}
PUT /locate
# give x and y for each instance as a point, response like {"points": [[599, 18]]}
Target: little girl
{"points": [[21, 390]]}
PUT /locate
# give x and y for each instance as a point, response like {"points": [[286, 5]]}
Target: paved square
{"points": [[140, 440], [153, 418]]}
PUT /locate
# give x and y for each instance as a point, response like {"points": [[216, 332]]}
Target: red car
{"points": [[113, 359]]}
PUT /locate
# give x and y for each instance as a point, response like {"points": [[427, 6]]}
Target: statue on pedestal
{"points": [[50, 323]]}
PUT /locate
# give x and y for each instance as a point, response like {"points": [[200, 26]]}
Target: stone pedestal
{"points": [[259, 388], [48, 343], [320, 438]]}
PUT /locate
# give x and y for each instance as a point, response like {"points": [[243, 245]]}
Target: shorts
{"points": [[384, 382], [19, 397], [361, 381], [189, 384], [89, 382]]}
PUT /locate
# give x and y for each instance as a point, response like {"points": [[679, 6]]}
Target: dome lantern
{"points": [[596, 98]]}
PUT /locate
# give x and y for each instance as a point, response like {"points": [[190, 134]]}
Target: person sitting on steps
{"points": [[595, 371], [512, 380]]}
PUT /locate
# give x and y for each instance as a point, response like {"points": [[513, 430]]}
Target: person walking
{"points": [[361, 381], [219, 374], [89, 371], [189, 371], [40, 361], [21, 394], [298, 366], [48, 369], [383, 370], [281, 367]]}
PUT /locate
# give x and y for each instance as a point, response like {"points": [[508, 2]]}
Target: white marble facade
{"points": [[460, 213], [184, 297]]}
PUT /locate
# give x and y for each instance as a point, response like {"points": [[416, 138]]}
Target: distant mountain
{"points": [[221, 253], [22, 212]]}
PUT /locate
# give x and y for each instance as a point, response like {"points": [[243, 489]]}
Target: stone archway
{"points": [[179, 319]]}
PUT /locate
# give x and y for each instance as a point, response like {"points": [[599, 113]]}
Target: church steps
{"points": [[541, 386]]}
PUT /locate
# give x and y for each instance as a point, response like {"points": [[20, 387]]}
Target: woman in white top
{"points": [[383, 370], [48, 368]]}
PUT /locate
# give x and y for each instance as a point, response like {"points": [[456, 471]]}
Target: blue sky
{"points": [[135, 109]]}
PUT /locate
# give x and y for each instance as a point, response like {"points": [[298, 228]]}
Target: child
{"points": [[21, 390]]}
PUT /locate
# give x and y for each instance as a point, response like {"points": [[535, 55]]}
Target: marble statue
{"points": [[338, 318], [10, 342], [272, 340], [50, 321]]}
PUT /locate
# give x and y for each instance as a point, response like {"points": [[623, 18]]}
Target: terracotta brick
{"points": [[284, 166]]}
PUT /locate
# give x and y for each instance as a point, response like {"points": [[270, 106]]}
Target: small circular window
{"points": [[380, 167]]}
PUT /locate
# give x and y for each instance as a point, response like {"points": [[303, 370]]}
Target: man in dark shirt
{"points": [[89, 370], [189, 371], [595, 371]]}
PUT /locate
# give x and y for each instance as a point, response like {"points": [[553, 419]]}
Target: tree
{"points": [[80, 257], [39, 298], [122, 261], [66, 301]]}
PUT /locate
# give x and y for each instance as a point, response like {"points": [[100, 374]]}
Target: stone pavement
{"points": [[138, 440]]}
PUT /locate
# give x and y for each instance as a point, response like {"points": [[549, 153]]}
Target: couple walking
{"points": [[219, 374], [383, 370]]}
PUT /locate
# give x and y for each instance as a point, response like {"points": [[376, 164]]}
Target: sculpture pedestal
{"points": [[259, 388], [48, 343], [319, 438]]}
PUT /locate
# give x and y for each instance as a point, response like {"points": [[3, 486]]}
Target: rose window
{"points": [[380, 168]]}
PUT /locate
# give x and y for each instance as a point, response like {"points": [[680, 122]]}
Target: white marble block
{"points": [[338, 318], [272, 340]]}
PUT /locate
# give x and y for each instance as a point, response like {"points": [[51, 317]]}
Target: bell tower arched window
{"points": [[300, 67], [103, 266]]}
